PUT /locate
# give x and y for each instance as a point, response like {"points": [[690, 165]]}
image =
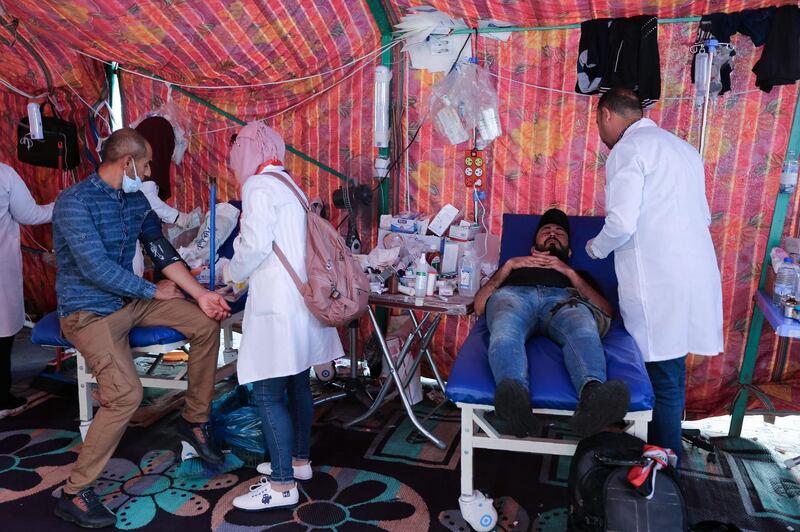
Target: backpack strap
{"points": [[298, 194], [275, 247]]}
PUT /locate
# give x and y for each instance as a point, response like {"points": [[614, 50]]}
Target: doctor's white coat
{"points": [[280, 336], [17, 206], [657, 220]]}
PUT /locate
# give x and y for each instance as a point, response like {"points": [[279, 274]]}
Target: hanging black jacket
{"points": [[633, 59]]}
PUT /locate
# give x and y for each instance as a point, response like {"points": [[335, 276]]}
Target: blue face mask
{"points": [[129, 186]]}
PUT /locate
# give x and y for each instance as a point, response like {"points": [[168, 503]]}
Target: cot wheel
{"points": [[478, 511]]}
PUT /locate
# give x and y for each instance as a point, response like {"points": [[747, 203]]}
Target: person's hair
{"points": [[124, 143], [621, 101]]}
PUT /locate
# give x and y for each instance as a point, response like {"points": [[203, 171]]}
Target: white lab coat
{"points": [[280, 336], [164, 212], [17, 206], [656, 224]]}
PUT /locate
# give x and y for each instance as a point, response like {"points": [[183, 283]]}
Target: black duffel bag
{"points": [[60, 139]]}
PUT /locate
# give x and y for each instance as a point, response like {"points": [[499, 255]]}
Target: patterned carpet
{"points": [[378, 476]]}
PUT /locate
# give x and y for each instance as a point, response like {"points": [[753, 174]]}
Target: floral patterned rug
{"points": [[375, 477]]}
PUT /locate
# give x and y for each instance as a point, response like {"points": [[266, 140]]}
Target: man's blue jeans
{"points": [[286, 409], [516, 313], [669, 385]]}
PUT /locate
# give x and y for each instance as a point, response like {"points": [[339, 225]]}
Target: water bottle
{"points": [[784, 282], [789, 173], [468, 275], [421, 282]]}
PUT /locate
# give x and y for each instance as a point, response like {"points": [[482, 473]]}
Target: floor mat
{"points": [[375, 476]]}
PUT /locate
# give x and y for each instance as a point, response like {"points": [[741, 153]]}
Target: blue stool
{"points": [[471, 383]]}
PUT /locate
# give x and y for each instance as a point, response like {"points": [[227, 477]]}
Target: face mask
{"points": [[129, 186]]}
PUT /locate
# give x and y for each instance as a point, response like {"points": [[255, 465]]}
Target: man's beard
{"points": [[561, 253]]}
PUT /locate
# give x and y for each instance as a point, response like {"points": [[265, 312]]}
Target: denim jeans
{"points": [[669, 385], [286, 409], [516, 313]]}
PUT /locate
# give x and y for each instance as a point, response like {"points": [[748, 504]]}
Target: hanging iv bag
{"points": [[701, 70]]}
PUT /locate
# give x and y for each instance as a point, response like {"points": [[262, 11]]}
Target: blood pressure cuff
{"points": [[161, 252]]}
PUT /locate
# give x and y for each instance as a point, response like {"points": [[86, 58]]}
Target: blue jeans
{"points": [[669, 385], [516, 313], [286, 409]]}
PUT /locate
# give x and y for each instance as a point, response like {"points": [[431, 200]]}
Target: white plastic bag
{"points": [[463, 100], [196, 254]]}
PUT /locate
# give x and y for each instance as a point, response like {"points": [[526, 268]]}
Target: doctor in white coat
{"points": [[17, 206], [281, 339], [657, 220]]}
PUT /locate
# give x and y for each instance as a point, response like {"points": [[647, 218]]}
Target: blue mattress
{"points": [[471, 379], [47, 331]]}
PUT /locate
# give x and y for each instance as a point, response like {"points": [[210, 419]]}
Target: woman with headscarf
{"points": [[281, 339]]}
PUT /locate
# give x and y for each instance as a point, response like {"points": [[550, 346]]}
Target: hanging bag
{"points": [[60, 142]]}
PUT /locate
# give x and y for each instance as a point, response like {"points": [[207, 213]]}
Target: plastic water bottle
{"points": [[784, 282], [421, 281], [469, 275], [789, 173]]}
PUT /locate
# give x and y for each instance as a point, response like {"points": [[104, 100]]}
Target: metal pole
{"points": [[212, 245], [711, 46]]}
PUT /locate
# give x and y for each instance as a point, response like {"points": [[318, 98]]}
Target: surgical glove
{"points": [[589, 249]]}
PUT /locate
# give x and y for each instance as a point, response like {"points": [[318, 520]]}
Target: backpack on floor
{"points": [[337, 290], [602, 498]]}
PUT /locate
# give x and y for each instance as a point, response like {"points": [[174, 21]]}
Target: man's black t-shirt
{"points": [[546, 277]]}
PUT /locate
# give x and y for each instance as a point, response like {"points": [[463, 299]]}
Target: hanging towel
{"points": [[633, 60], [780, 60]]}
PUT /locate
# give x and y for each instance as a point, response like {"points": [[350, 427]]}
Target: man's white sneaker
{"points": [[263, 497], [301, 472]]}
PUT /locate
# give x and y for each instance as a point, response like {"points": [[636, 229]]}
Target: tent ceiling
{"points": [[557, 12], [214, 42]]}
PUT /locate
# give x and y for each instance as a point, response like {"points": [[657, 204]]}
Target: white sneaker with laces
{"points": [[263, 497], [301, 472]]}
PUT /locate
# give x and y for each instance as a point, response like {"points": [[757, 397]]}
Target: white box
{"points": [[443, 220], [460, 232], [450, 257]]}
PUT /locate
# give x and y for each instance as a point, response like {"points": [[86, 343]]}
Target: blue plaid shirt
{"points": [[95, 229]]}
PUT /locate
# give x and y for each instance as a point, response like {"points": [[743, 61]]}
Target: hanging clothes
{"points": [[592, 55], [780, 61], [633, 58], [754, 23]]}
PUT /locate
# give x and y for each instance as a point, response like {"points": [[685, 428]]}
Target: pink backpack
{"points": [[337, 290]]}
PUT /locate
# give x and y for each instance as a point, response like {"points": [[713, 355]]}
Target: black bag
{"points": [[60, 139], [602, 499]]}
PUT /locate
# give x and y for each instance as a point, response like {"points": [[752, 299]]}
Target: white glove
{"points": [[589, 249]]}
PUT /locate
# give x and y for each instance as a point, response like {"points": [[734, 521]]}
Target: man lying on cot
{"points": [[541, 295], [96, 224]]}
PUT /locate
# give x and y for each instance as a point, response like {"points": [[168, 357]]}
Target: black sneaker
{"points": [[601, 404], [196, 435], [12, 405], [512, 406], [84, 509]]}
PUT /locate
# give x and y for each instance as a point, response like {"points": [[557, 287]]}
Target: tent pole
{"points": [[754, 333], [241, 122]]}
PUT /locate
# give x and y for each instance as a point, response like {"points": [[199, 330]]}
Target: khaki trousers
{"points": [[103, 342]]}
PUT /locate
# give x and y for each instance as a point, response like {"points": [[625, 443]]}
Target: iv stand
{"points": [[711, 47]]}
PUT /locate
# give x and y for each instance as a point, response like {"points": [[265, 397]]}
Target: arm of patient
{"points": [[497, 281]]}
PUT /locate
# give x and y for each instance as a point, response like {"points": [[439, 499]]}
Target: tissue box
{"points": [[465, 233], [442, 220]]}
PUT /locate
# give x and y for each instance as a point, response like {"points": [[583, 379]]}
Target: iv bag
{"points": [[701, 71]]}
